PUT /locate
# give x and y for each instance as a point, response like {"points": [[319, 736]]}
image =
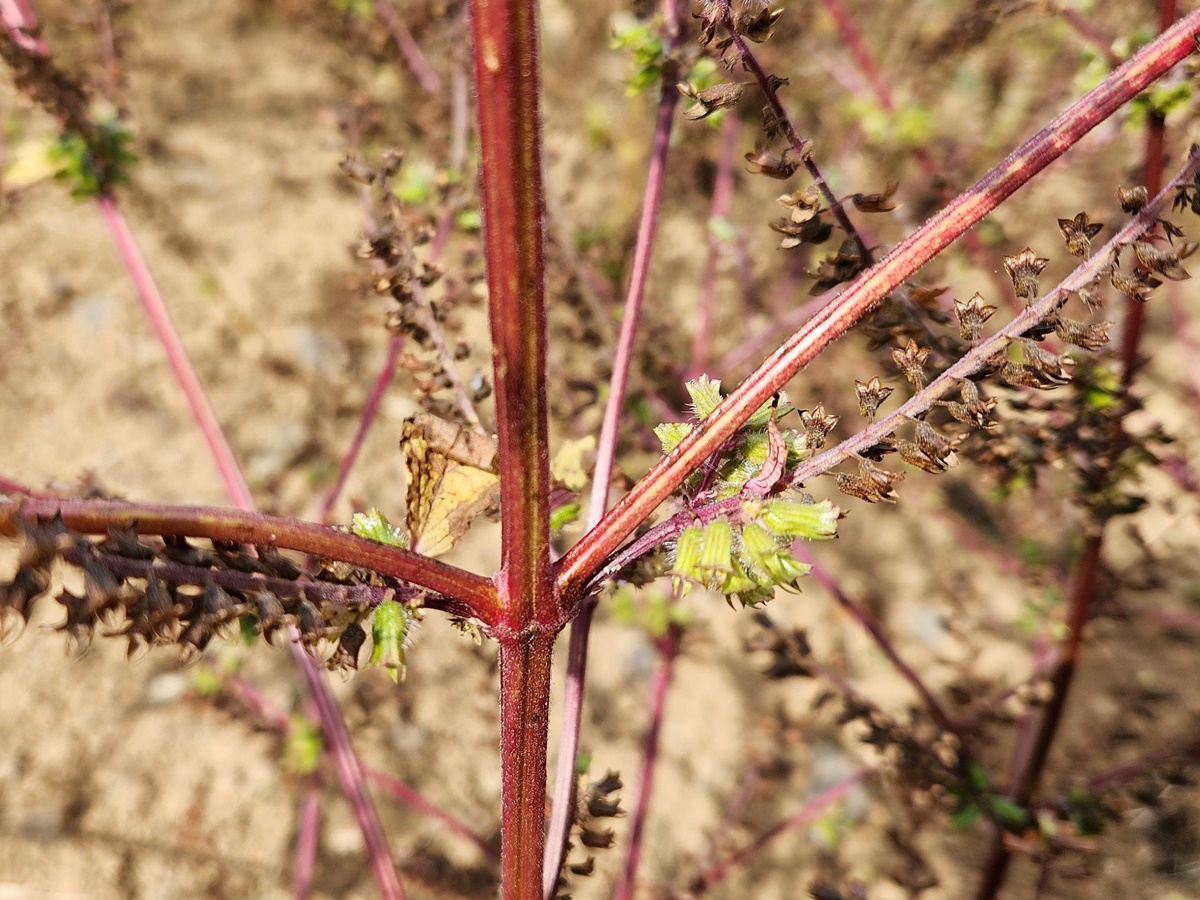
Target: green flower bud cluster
{"points": [[745, 458], [751, 559]]}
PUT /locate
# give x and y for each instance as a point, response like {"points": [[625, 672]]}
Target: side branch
{"points": [[975, 360], [871, 287], [97, 516]]}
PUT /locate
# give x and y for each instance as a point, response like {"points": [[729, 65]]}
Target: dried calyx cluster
{"points": [[173, 592], [931, 762], [743, 510], [598, 803], [427, 307]]}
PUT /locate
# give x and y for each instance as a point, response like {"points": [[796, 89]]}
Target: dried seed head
{"points": [[934, 444], [1137, 285], [1089, 337], [757, 25], [1078, 234], [870, 395], [1164, 262], [345, 657], [1050, 366], [817, 425], [764, 162], [974, 410], [1133, 199], [873, 484], [709, 100], [809, 231], [804, 204], [971, 316], [1024, 269], [877, 203], [915, 456], [1091, 295], [911, 361]]}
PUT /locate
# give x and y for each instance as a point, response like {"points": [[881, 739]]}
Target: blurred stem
{"points": [[808, 813], [1028, 770], [722, 199], [568, 745], [668, 651], [418, 64]]}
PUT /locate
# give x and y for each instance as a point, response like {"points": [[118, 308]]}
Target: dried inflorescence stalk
{"points": [[173, 592]]}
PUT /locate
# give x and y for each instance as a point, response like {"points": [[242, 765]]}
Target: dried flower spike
{"points": [[1078, 234], [1132, 199], [1024, 269], [971, 316]]}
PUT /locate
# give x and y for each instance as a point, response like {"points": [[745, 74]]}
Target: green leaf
{"points": [[670, 434], [91, 168], [706, 395], [565, 515], [374, 526], [302, 748], [965, 816], [1007, 812]]}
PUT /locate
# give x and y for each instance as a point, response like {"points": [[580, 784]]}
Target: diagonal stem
{"points": [[577, 566]]}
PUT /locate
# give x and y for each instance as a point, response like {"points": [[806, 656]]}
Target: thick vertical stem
{"points": [[507, 88], [507, 81], [524, 718]]}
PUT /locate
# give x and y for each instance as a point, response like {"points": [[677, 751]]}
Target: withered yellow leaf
{"points": [[451, 480]]}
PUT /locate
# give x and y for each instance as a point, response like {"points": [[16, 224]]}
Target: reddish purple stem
{"points": [[668, 652]]}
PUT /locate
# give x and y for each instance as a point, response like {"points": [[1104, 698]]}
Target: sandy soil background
{"points": [[122, 780]]}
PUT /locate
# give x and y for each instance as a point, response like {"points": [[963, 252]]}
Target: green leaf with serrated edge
{"points": [[762, 415], [374, 526], [389, 628], [670, 434], [706, 395]]}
